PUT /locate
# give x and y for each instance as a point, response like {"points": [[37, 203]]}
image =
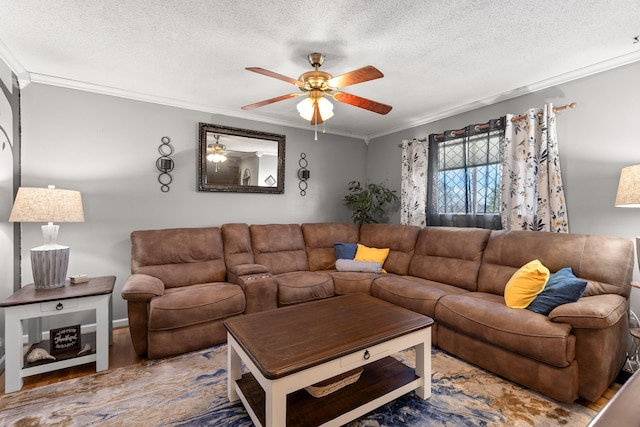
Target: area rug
{"points": [[190, 390]]}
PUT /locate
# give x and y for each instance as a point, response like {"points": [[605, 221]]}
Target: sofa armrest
{"points": [[593, 312], [236, 271], [259, 287], [142, 287]]}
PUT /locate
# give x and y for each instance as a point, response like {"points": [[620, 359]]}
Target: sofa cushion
{"points": [[319, 239], [179, 256], [192, 305], [509, 250], [563, 287], [400, 239], [416, 294], [526, 284], [449, 255], [349, 282], [485, 317], [237, 244], [302, 286], [345, 250], [280, 247]]}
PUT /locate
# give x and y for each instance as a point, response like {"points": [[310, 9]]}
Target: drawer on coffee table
{"points": [[367, 355]]}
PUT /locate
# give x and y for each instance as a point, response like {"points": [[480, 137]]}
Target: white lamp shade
{"points": [[47, 205], [306, 108], [629, 188], [216, 157]]}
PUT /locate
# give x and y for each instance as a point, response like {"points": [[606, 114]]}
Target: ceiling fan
{"points": [[216, 152], [316, 84]]}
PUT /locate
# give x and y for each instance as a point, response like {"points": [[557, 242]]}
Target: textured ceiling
{"points": [[439, 57]]}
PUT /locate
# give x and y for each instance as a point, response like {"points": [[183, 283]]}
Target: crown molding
{"points": [[137, 96], [24, 77], [12, 62], [543, 84]]}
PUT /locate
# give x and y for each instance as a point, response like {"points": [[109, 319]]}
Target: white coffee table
{"points": [[288, 349]]}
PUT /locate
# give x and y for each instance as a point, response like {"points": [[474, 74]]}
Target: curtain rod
{"points": [[555, 110], [480, 127]]}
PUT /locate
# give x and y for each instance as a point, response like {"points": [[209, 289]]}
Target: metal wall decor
{"points": [[303, 174], [165, 163]]}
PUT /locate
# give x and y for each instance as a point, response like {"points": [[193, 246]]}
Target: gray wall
{"points": [[596, 140], [106, 147]]}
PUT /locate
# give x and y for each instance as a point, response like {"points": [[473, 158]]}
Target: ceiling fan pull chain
{"points": [[315, 113]]}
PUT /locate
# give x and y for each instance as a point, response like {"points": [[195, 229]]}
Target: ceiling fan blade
{"points": [[360, 75], [271, 101], [358, 101], [275, 75], [316, 119]]}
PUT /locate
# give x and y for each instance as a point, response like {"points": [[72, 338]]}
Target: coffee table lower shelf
{"points": [[381, 382]]}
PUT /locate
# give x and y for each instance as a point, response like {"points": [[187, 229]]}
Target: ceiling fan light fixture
{"points": [[306, 108], [216, 155]]}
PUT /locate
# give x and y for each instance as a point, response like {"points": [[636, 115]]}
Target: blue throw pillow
{"points": [[563, 287], [345, 250]]}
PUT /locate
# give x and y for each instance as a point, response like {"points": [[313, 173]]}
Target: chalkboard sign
{"points": [[65, 339]]}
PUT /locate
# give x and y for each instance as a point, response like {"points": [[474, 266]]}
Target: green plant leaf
{"points": [[368, 202]]}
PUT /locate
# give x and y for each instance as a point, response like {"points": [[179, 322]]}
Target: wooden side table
{"points": [[31, 303]]}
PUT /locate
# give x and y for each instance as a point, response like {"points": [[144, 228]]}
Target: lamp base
{"points": [[49, 265]]}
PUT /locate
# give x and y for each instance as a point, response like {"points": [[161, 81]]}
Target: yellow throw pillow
{"points": [[365, 253], [526, 284]]}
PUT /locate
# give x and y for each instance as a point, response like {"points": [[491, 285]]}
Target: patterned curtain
{"points": [[532, 191], [413, 188]]}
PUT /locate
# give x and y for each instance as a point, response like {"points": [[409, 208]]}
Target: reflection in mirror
{"points": [[240, 160]]}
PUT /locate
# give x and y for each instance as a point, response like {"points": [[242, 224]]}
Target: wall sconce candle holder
{"points": [[164, 163], [303, 174]]}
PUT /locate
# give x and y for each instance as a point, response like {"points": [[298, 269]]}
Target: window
{"points": [[464, 176]]}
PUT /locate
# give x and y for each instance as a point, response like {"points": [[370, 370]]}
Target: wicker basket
{"points": [[326, 387]]}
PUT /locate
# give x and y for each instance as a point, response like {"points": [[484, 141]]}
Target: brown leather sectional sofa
{"points": [[185, 282]]}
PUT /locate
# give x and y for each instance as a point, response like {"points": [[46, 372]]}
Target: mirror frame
{"points": [[225, 130]]}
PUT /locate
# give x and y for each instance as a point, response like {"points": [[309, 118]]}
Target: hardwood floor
{"points": [[121, 354], [599, 403]]}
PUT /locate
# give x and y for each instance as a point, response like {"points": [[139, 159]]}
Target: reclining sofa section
{"points": [[186, 281]]}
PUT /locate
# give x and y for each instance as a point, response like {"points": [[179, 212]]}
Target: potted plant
{"points": [[368, 201]]}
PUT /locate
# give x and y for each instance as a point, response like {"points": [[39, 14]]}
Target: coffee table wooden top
{"points": [[29, 294], [290, 339]]}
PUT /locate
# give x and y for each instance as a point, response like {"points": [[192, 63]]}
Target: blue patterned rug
{"points": [[190, 390]]}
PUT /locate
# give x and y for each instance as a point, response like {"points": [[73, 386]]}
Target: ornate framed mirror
{"points": [[240, 160]]}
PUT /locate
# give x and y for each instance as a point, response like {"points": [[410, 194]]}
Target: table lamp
{"points": [[49, 262], [629, 194]]}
